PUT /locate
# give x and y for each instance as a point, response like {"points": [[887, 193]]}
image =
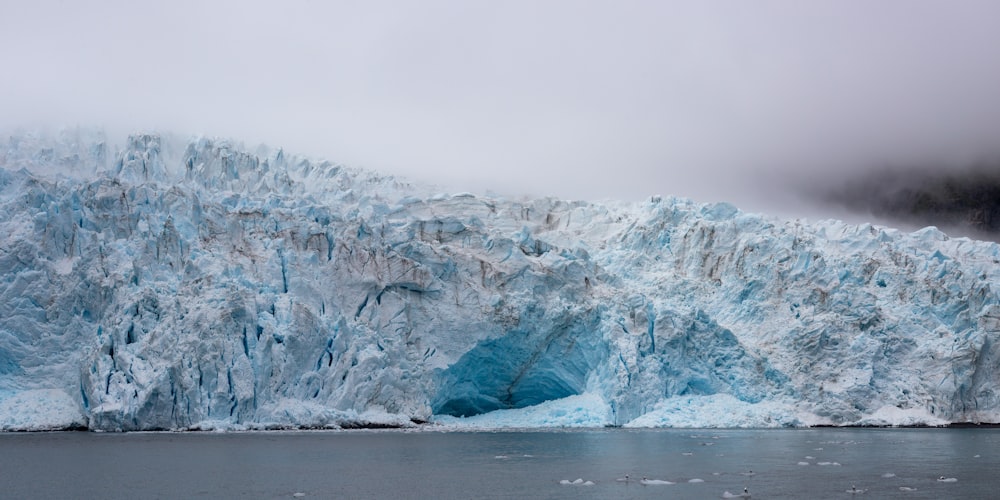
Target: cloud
{"points": [[710, 100]]}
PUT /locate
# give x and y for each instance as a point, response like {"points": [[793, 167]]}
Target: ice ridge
{"points": [[172, 284]]}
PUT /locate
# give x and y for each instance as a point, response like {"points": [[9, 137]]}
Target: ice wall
{"points": [[194, 284]]}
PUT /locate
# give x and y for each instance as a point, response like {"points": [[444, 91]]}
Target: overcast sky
{"points": [[574, 99]]}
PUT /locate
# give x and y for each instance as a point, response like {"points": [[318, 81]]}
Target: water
{"points": [[401, 465]]}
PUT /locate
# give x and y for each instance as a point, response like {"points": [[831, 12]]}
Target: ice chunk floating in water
{"points": [[166, 284], [654, 482], [576, 482]]}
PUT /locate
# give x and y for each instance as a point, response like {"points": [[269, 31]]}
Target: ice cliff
{"points": [[167, 284]]}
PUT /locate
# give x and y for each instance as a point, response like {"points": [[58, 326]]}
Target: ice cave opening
{"points": [[521, 369]]}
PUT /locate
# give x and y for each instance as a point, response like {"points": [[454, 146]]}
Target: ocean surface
{"points": [[702, 464]]}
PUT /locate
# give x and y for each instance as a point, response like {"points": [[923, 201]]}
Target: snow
{"points": [[40, 410], [891, 415], [172, 284], [585, 410], [720, 410]]}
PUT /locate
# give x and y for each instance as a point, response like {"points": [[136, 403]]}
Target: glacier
{"points": [[166, 284]]}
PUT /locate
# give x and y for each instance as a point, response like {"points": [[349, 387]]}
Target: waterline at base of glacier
{"points": [[51, 410]]}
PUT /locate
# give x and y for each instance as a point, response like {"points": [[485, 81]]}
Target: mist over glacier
{"points": [[171, 284]]}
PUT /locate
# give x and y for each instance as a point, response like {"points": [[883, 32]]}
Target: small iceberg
{"points": [[654, 482]]}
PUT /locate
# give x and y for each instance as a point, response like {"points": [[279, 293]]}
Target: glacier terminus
{"points": [[199, 284]]}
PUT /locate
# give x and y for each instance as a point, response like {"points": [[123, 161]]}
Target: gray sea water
{"points": [[801, 463]]}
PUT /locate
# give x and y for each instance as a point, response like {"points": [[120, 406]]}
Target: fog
{"points": [[757, 103]]}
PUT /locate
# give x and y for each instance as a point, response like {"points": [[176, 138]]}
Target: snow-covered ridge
{"points": [[174, 284]]}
